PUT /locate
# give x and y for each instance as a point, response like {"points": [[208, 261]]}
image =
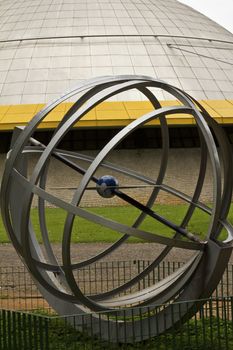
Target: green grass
{"points": [[86, 231]]}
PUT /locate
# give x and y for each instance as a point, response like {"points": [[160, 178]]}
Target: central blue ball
{"points": [[105, 186]]}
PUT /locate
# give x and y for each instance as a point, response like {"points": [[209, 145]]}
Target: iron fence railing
{"points": [[210, 328], [27, 321], [19, 292]]}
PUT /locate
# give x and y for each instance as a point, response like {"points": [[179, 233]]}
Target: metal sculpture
{"points": [[195, 280]]}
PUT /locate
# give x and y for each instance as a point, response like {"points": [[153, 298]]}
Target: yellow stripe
{"points": [[110, 114]]}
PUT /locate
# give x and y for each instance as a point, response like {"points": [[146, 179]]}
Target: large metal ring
{"points": [[195, 280]]}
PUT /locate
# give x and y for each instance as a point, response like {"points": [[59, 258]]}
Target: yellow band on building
{"points": [[110, 114]]}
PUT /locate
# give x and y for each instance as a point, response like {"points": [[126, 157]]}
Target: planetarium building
{"points": [[48, 47]]}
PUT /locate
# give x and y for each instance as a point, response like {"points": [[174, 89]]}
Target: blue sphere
{"points": [[105, 186]]}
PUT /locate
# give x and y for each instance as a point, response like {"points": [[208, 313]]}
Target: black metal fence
{"points": [[27, 322], [210, 328], [19, 292]]}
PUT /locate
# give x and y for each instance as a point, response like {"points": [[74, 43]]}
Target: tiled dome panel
{"points": [[39, 70]]}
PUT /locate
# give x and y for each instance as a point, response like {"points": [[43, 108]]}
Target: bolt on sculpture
{"points": [[197, 279]]}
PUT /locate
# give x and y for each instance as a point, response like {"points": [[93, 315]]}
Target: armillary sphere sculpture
{"points": [[196, 279]]}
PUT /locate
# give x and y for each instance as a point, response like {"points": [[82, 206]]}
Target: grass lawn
{"points": [[85, 231]]}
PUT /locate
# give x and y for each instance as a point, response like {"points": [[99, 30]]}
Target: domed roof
{"points": [[48, 46]]}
